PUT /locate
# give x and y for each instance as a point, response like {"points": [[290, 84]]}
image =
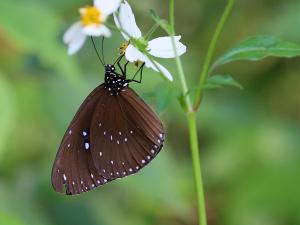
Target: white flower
{"points": [[91, 24], [159, 47]]}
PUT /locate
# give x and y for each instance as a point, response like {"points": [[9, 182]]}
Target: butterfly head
{"points": [[110, 68]]}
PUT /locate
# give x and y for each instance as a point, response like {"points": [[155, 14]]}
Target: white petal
{"points": [[72, 32], [96, 30], [162, 47], [76, 43], [132, 54], [159, 68], [107, 7], [125, 19]]}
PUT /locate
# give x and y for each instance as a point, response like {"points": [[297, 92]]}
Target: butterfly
{"points": [[114, 134]]}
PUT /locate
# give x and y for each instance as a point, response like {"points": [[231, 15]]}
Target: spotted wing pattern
{"points": [[73, 167], [110, 137], [131, 135]]}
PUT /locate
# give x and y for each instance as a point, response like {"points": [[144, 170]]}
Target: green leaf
{"points": [[218, 81], [161, 22], [259, 47]]}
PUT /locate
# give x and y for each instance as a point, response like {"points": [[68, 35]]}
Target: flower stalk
{"points": [[192, 125], [192, 109], [205, 70]]}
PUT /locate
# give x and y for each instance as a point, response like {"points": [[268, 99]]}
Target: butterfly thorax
{"points": [[114, 82]]}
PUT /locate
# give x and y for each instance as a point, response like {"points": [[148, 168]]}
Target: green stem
{"points": [[210, 52], [179, 66], [192, 123]]}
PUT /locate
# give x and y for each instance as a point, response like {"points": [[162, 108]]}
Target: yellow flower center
{"points": [[123, 48], [90, 15]]}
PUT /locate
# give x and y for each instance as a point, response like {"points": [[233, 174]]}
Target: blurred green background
{"points": [[250, 139]]}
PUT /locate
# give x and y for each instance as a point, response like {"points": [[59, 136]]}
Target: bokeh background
{"points": [[250, 139]]}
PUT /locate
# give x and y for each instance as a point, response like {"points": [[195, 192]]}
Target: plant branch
{"points": [[210, 52], [179, 66], [193, 134], [192, 124]]}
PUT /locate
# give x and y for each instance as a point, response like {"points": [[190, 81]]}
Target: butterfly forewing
{"points": [[73, 166]]}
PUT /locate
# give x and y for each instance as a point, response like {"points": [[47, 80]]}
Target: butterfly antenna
{"points": [[97, 52], [102, 50]]}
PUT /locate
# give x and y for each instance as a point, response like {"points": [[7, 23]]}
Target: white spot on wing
{"points": [[87, 146], [112, 162], [65, 177], [152, 151], [84, 133], [70, 132], [100, 153], [143, 161]]}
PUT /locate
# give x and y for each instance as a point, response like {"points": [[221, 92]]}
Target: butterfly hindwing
{"points": [[130, 135]]}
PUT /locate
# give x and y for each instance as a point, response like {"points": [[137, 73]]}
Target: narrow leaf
{"points": [[218, 81], [161, 22], [259, 47]]}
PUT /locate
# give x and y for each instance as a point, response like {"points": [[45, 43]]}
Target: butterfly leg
{"points": [[140, 71], [125, 67], [119, 65]]}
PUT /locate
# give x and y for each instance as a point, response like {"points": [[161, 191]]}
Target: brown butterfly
{"points": [[114, 134]]}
